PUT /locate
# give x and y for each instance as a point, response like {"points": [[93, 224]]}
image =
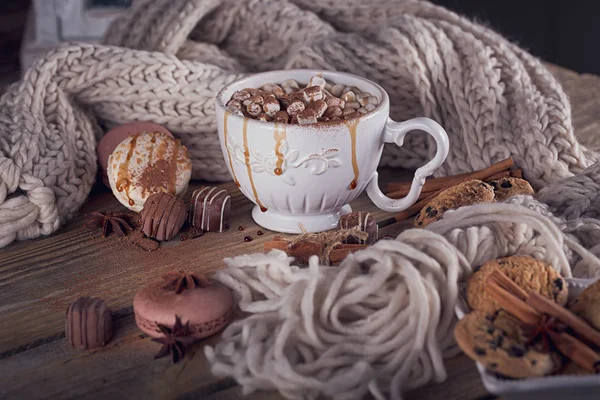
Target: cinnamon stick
{"points": [[541, 305], [426, 191], [510, 297], [499, 175], [516, 173], [400, 189], [410, 211], [302, 251], [528, 307], [575, 350], [581, 328], [339, 253]]}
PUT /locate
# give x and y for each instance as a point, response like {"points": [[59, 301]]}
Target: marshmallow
{"points": [[295, 107], [235, 106], [363, 98], [264, 117], [254, 109], [290, 83], [271, 106], [287, 103], [148, 163], [347, 111], [337, 90], [335, 102], [308, 116], [241, 95], [257, 99], [333, 111], [317, 81], [282, 116], [319, 106], [349, 96], [312, 93], [289, 86], [272, 88]]}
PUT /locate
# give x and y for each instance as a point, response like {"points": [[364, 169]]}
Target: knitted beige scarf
{"points": [[165, 59]]}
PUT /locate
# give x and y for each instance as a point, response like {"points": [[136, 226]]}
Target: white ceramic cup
{"points": [[305, 175]]}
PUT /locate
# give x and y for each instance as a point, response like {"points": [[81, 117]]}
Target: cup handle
{"points": [[395, 132]]}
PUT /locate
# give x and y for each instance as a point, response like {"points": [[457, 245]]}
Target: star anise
{"points": [[542, 332], [180, 281], [174, 340], [111, 222]]}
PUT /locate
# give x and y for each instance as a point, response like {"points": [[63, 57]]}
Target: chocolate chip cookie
{"points": [[508, 187], [527, 272], [464, 194], [587, 304], [483, 339]]}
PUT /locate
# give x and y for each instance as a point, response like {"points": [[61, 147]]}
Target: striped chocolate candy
{"points": [[211, 209], [89, 323]]}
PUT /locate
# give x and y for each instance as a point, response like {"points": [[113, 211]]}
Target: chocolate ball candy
{"points": [[211, 209], [163, 216], [89, 323], [365, 222]]}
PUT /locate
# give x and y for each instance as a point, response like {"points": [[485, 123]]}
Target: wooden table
{"points": [[39, 278]]}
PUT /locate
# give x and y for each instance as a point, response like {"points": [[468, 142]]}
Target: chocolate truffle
{"points": [[365, 222], [163, 216], [116, 135], [89, 323], [211, 209], [206, 304], [147, 163]]}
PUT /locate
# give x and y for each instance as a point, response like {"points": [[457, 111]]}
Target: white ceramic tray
{"points": [[557, 387]]}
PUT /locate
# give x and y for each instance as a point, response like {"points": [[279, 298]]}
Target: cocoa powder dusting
{"points": [[140, 240], [155, 175], [161, 150]]}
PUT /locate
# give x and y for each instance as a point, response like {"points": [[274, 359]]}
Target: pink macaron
{"points": [[116, 135], [205, 303]]}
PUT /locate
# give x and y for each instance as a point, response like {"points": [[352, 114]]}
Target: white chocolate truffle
{"points": [[148, 163]]}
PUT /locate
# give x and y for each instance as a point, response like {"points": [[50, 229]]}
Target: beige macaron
{"points": [[147, 163]]}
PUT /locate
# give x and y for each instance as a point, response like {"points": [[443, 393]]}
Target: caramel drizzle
{"points": [[247, 158], [279, 134], [225, 118], [123, 177], [352, 124]]}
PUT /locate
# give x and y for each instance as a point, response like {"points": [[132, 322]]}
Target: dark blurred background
{"points": [[562, 32], [558, 31]]}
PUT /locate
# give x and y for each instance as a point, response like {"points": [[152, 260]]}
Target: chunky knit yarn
{"points": [[382, 322], [164, 60]]}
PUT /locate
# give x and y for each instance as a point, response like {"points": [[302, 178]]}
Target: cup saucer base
{"points": [[293, 223]]}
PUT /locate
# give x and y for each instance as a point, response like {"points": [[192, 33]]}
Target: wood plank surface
{"points": [[39, 278]]}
